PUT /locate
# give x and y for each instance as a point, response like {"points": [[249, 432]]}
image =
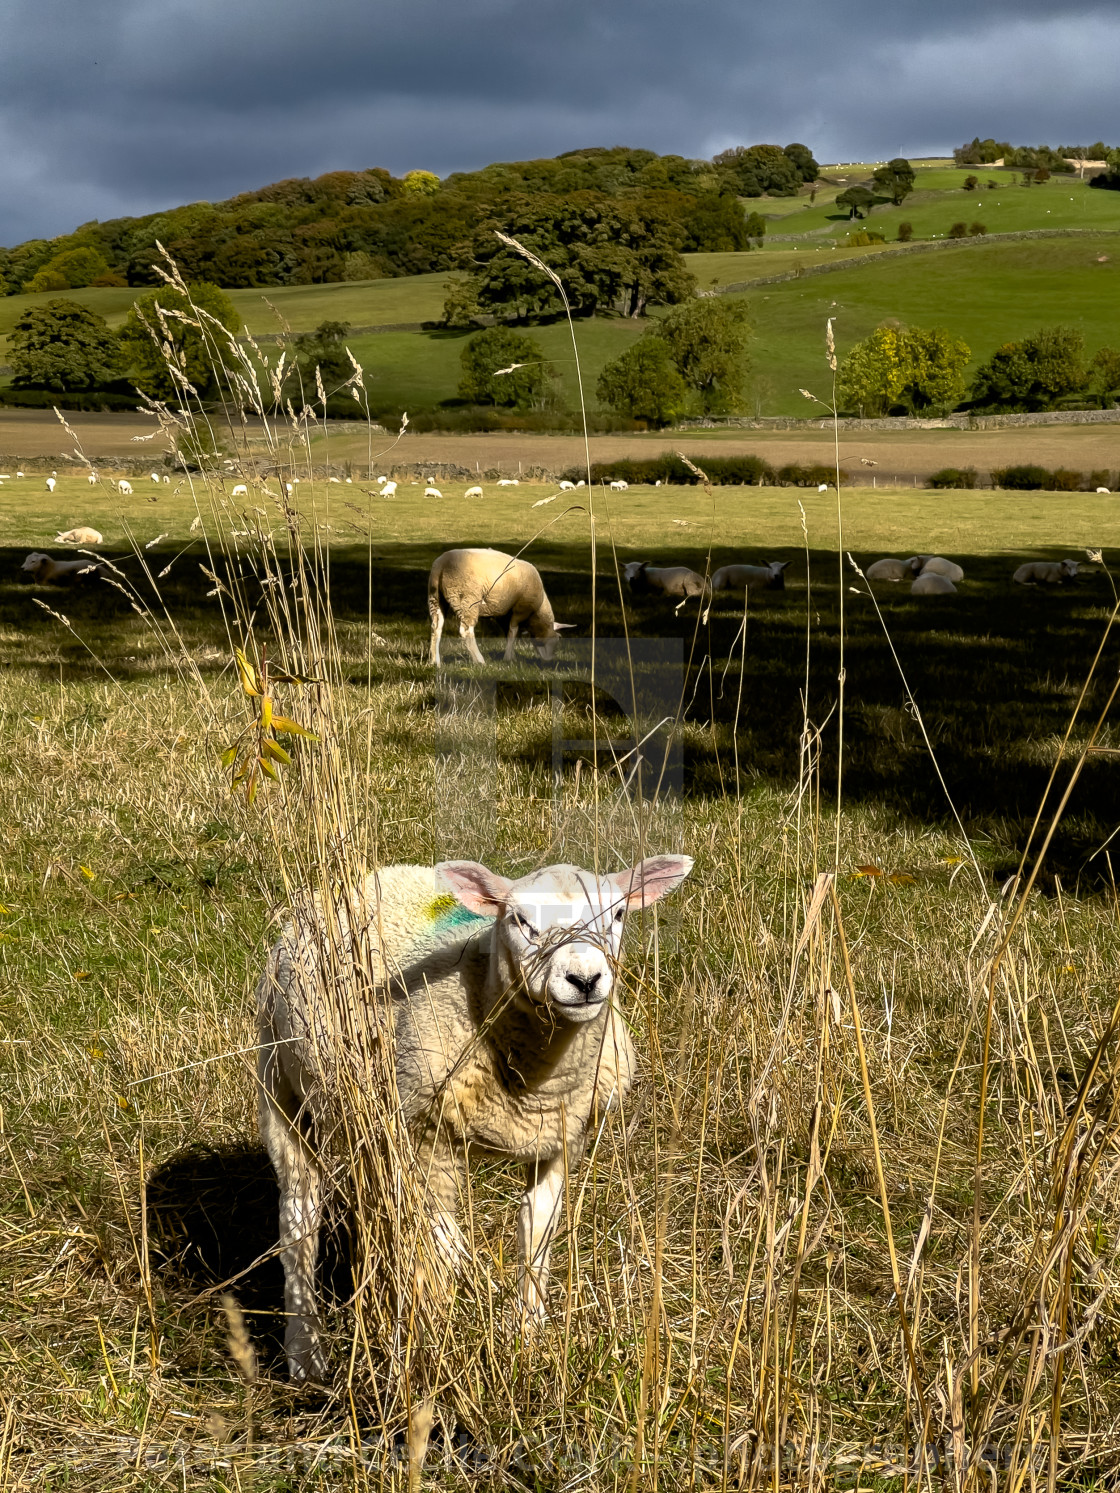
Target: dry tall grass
{"points": [[859, 1223]]}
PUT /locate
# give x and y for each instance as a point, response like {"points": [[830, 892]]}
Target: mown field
{"points": [[725, 1310]]}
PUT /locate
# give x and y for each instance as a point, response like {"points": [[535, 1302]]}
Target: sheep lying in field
{"points": [[478, 583], [1046, 572], [80, 535], [498, 1001], [509, 481], [938, 565], [645, 579], [45, 571], [932, 584], [893, 570], [770, 577]]}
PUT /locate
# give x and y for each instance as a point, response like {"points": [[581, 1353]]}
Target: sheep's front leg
{"points": [[301, 1206], [537, 1222], [466, 632]]}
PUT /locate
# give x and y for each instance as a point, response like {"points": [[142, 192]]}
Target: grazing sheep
{"points": [[770, 577], [81, 535], [509, 481], [432, 492], [618, 485], [938, 565], [19, 474], [487, 583], [893, 570], [389, 490], [932, 584], [1103, 489], [566, 486], [498, 1001], [167, 481], [50, 484], [155, 477], [1046, 572], [240, 491], [581, 483], [335, 479], [645, 579], [46, 571], [124, 487], [473, 492]]}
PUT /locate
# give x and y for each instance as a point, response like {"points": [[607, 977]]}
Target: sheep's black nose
{"points": [[585, 984]]}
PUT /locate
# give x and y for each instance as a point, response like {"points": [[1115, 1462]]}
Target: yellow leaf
{"points": [[900, 878], [254, 784], [266, 713], [268, 769], [229, 756], [952, 860], [5, 910], [87, 873], [867, 871], [273, 749], [287, 727], [248, 674], [122, 1102], [96, 1052], [81, 974]]}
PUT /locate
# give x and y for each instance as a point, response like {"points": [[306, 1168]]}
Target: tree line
{"points": [[360, 225]]}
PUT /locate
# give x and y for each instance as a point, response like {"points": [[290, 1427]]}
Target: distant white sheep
{"points": [[938, 565], [155, 477], [618, 485], [124, 487], [645, 579], [432, 492], [509, 481], [81, 535], [240, 491], [487, 583], [893, 570], [1046, 572], [932, 584], [92, 479], [19, 474], [334, 479], [167, 481], [770, 577], [1103, 489], [50, 484], [566, 486], [288, 488], [389, 490], [46, 571], [473, 492]]}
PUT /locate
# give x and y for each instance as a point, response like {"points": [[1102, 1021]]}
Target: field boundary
{"points": [[962, 421]]}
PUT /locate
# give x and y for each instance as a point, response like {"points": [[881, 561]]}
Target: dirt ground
{"points": [[36, 437]]}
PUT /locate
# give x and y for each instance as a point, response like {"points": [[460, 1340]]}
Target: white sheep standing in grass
{"points": [[497, 996], [389, 490], [645, 579], [478, 583], [1046, 572], [46, 571], [473, 492], [50, 484], [932, 584], [155, 477], [771, 577], [81, 535], [938, 565], [1103, 489], [124, 487], [91, 478], [240, 491], [566, 486], [618, 485], [432, 492]]}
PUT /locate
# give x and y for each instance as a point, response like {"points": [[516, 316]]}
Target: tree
{"points": [[755, 169], [490, 352], [424, 183], [905, 232], [857, 199], [903, 369], [707, 340], [717, 226], [896, 179], [325, 349], [802, 158], [643, 383], [1104, 371], [756, 227], [958, 230], [62, 346], [971, 183], [195, 345], [1034, 373]]}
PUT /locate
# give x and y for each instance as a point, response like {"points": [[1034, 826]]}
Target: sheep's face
{"points": [[1069, 569], [559, 930], [34, 562]]}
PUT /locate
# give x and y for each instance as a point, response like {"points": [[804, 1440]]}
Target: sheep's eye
{"points": [[620, 914], [524, 924]]}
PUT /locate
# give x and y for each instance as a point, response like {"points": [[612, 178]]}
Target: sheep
{"points": [[932, 584], [770, 577], [1103, 489], [124, 487], [937, 565], [389, 490], [893, 570], [81, 535], [155, 477], [473, 492], [487, 583], [672, 580], [46, 571], [335, 479], [19, 474], [1046, 572], [50, 484], [618, 485], [498, 1002], [240, 491], [432, 492], [91, 478], [509, 481], [566, 486]]}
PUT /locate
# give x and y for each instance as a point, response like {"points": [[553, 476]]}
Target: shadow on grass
{"points": [[996, 670]]}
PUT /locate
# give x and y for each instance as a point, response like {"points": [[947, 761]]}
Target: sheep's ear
{"points": [[470, 883], [652, 879], [783, 564], [560, 626]]}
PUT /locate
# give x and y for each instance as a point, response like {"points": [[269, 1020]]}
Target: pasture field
{"points": [[725, 1307]]}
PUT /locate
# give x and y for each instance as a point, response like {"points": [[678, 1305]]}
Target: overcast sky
{"points": [[111, 107]]}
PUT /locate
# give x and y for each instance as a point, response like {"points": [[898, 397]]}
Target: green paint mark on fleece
{"points": [[446, 913]]}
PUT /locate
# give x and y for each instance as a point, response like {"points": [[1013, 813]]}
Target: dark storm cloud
{"points": [[124, 106]]}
